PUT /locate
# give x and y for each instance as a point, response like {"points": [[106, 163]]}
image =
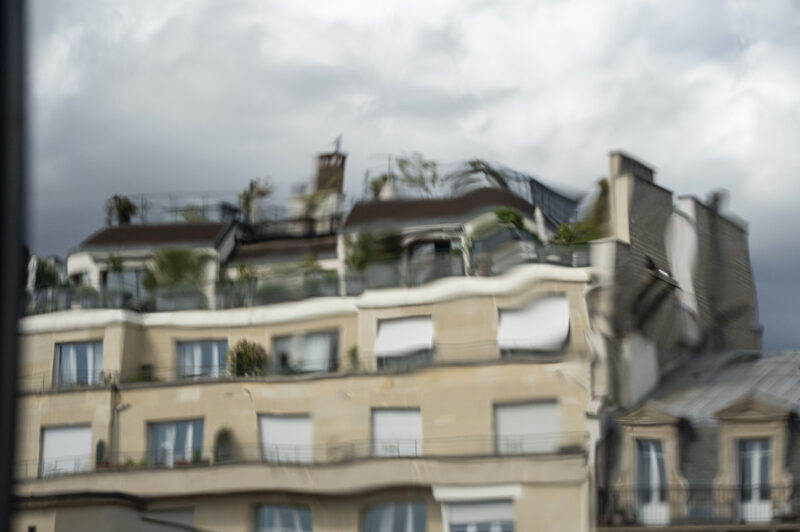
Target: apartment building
{"points": [[406, 396]]}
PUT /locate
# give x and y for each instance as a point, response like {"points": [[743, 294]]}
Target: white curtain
{"points": [[296, 351], [387, 518], [215, 359], [69, 364], [187, 445], [317, 353], [197, 360], [168, 445], [98, 361], [409, 518], [90, 364]]}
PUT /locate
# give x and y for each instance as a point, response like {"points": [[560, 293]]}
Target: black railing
{"points": [[695, 505], [283, 288], [565, 443]]}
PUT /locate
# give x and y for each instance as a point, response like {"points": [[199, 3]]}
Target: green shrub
{"points": [[247, 358]]}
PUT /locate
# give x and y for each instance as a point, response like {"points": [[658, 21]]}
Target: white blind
{"points": [[464, 513], [286, 438], [397, 432], [528, 427], [404, 336], [318, 349], [66, 450], [542, 326]]}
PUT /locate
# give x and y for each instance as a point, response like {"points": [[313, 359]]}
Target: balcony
{"points": [[700, 508], [283, 288], [565, 444]]}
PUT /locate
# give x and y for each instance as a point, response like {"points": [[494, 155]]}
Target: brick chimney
{"points": [[330, 171], [622, 163]]}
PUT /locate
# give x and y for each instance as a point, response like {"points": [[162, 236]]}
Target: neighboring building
{"points": [[405, 396], [716, 445]]}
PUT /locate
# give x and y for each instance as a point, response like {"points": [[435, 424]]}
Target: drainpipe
{"points": [[113, 429]]}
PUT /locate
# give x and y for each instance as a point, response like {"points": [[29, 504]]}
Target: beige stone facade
{"points": [[456, 394]]}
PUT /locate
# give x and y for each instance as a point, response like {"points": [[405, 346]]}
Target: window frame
{"points": [[418, 444], [661, 469], [223, 370], [447, 509], [56, 380], [538, 401], [279, 460], [527, 352], [277, 365], [276, 507], [44, 428], [152, 454], [409, 360], [365, 510]]}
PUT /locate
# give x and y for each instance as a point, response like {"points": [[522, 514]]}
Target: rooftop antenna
{"points": [[337, 143]]}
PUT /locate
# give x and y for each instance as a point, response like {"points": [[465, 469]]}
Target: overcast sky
{"points": [[182, 96]]}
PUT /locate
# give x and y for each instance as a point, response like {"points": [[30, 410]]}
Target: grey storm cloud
{"points": [[178, 96]]}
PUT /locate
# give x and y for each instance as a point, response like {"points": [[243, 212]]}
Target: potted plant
{"points": [[223, 446], [122, 208], [247, 359], [352, 354]]}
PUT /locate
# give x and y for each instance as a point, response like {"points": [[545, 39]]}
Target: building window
{"points": [[522, 428], [78, 364], [204, 359], [404, 343], [480, 516], [65, 450], [306, 353], [283, 519], [754, 485], [175, 442], [397, 432], [286, 439], [651, 481], [396, 517], [541, 327]]}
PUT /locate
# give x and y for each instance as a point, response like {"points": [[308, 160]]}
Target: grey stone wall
{"points": [[699, 452], [650, 210], [725, 282]]}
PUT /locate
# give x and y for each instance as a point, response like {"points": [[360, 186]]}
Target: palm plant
{"points": [[256, 189], [121, 208], [175, 267]]}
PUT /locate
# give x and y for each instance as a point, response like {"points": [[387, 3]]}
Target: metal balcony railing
{"points": [[283, 288], [698, 505], [485, 446], [443, 353]]}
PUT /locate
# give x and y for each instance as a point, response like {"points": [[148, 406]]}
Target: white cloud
{"points": [[147, 96]]}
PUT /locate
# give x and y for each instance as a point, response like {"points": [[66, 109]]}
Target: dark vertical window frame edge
{"points": [[12, 147]]}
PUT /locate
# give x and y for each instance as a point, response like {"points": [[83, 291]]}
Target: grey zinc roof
{"points": [[713, 381]]}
